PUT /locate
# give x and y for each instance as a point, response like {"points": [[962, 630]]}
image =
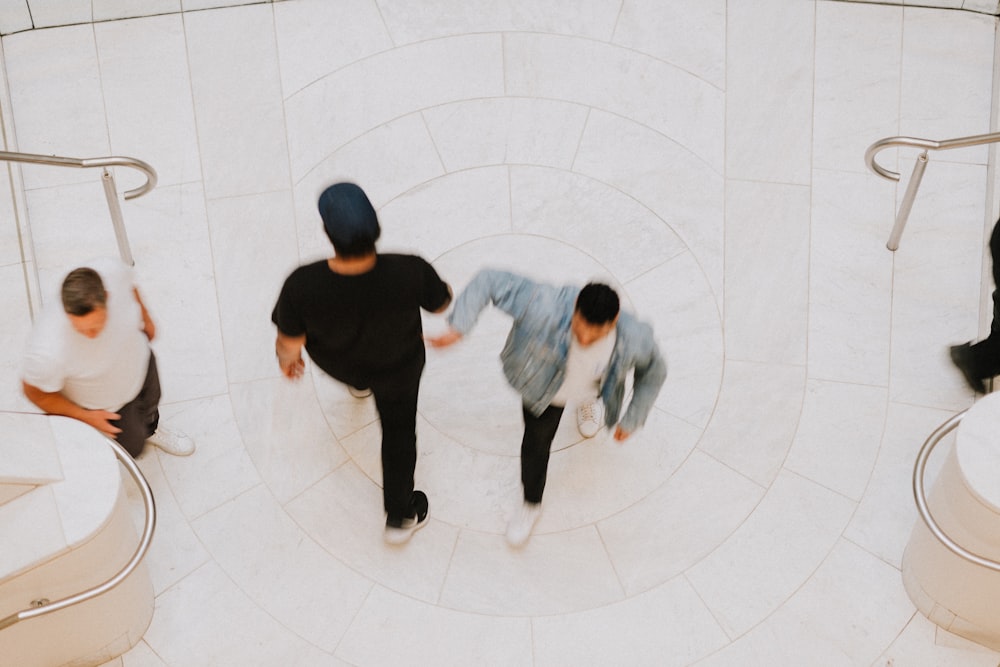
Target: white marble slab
{"points": [[624, 236], [317, 37], [850, 278], [302, 586], [922, 644], [649, 91], [843, 615], [56, 96], [839, 436], [767, 272], [553, 573], [220, 468], [243, 146], [386, 86], [15, 16], [761, 565], [684, 191], [221, 625], [343, 513], [35, 514], [668, 625], [676, 300], [681, 522], [506, 130], [664, 30], [147, 90], [109, 10], [858, 61], [887, 513], [285, 434], [439, 18], [250, 269], [754, 421], [47, 13], [434, 635], [947, 78], [175, 551], [769, 92]]}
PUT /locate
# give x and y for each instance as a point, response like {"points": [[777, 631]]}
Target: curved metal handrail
{"points": [[918, 169], [921, 497], [926, 144], [45, 607], [83, 163]]}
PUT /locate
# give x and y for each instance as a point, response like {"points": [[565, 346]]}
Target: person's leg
{"points": [[140, 416], [983, 358], [538, 435], [396, 402]]}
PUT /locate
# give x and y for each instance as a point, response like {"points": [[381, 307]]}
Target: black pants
{"points": [[535, 446], [140, 416], [396, 401], [986, 353]]}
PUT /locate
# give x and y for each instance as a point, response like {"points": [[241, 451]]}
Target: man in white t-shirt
{"points": [[568, 345], [89, 359]]}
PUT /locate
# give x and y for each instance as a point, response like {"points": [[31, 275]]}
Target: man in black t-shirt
{"points": [[358, 316]]}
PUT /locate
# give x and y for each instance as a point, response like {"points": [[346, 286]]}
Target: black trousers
{"points": [[986, 353], [396, 396], [140, 416], [535, 446]]}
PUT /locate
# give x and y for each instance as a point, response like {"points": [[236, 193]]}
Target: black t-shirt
{"points": [[360, 326]]}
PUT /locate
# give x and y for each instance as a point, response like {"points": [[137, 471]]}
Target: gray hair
{"points": [[83, 291]]}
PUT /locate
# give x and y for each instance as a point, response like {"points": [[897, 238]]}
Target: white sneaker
{"points": [[522, 523], [359, 393], [172, 442], [590, 418]]}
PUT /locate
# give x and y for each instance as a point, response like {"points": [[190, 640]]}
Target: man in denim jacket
{"points": [[567, 344]]}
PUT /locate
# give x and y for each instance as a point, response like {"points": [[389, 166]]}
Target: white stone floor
{"points": [[705, 156]]}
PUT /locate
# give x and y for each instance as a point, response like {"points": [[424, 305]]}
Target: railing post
{"points": [[907, 203], [117, 221]]}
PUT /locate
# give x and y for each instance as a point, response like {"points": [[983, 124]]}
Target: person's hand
{"points": [[149, 328], [293, 368], [444, 340], [620, 434], [101, 420]]}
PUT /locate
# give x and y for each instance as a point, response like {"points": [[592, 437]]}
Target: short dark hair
{"points": [[598, 303], [349, 220], [83, 291]]}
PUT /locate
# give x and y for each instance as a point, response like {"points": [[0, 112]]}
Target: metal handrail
{"points": [[43, 607], [921, 497], [110, 189], [918, 169]]}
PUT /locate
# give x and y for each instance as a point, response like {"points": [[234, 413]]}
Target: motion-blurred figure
{"points": [[981, 360], [567, 345], [358, 316]]}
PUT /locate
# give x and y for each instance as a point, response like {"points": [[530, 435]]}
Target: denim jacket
{"points": [[534, 356]]}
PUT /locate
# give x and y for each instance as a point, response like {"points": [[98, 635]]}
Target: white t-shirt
{"points": [[102, 373], [585, 367]]}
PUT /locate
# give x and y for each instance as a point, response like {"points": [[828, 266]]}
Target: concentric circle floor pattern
{"points": [[703, 157]]}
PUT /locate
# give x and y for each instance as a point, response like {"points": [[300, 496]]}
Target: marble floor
{"points": [[704, 156]]}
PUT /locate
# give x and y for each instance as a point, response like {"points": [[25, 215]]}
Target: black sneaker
{"points": [[400, 532], [961, 356]]}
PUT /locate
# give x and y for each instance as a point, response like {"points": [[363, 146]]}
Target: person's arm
{"points": [[650, 371], [289, 350], [147, 322], [507, 291], [55, 403]]}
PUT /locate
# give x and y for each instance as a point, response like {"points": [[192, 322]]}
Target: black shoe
{"points": [[399, 532], [961, 356]]}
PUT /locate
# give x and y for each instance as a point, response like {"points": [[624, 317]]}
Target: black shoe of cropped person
{"points": [[961, 356], [399, 532]]}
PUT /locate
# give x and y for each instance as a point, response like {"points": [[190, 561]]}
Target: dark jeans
{"points": [[396, 401], [986, 353], [538, 435], [140, 416]]}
